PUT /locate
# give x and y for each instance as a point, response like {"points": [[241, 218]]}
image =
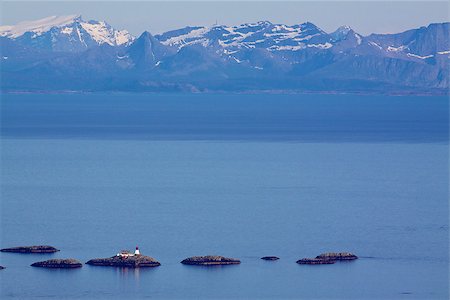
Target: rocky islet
{"points": [[31, 249], [270, 258], [210, 260], [68, 263], [137, 261], [328, 258]]}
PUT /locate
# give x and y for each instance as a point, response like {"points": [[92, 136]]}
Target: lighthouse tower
{"points": [[137, 252]]}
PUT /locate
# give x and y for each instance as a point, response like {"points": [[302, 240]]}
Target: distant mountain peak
{"points": [[345, 32], [308, 25], [145, 35], [71, 27], [146, 51], [344, 29]]}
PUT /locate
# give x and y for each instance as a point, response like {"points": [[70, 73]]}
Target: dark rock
{"points": [[1, 267], [68, 263], [137, 261], [270, 258], [337, 256], [315, 261], [210, 260], [31, 249]]}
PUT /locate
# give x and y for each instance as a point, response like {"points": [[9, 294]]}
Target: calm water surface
{"points": [[236, 175]]}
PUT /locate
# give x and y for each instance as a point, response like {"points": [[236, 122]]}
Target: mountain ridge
{"points": [[92, 55]]}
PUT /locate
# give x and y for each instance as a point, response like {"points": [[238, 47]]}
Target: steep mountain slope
{"points": [[145, 53]]}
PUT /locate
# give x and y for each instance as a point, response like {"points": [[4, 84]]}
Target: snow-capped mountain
{"points": [[263, 46], [65, 33], [70, 53], [273, 37]]}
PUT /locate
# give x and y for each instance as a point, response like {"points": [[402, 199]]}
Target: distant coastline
{"points": [[437, 92]]}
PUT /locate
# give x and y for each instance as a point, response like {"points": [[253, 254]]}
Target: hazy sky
{"points": [[136, 16]]}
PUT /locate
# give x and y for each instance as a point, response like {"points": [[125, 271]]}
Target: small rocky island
{"points": [[126, 259], [129, 262], [31, 249], [337, 256], [270, 258], [68, 263], [327, 258], [1, 267], [210, 260]]}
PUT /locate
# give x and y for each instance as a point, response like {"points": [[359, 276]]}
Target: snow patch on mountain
{"points": [[67, 30], [375, 45], [123, 37], [358, 38], [397, 49], [418, 56], [305, 38], [288, 48], [103, 33], [321, 46], [184, 39], [38, 27]]}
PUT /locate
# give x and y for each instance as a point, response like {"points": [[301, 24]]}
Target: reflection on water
{"points": [[128, 272]]}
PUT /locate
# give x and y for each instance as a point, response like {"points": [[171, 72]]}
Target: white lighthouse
{"points": [[137, 252]]}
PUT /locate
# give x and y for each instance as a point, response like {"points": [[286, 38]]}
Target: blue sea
{"points": [[241, 176]]}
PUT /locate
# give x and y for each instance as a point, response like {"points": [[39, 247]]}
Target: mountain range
{"points": [[66, 53]]}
